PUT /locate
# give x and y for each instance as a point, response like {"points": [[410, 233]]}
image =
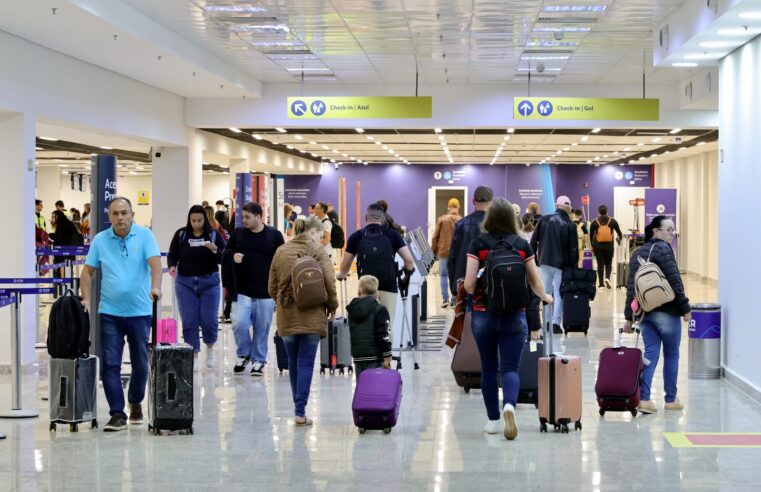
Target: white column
{"points": [[48, 190], [17, 132]]}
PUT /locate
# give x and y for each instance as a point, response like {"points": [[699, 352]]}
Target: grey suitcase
{"points": [[335, 348], [73, 392], [622, 267]]}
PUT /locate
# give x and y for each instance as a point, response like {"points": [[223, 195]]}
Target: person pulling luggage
{"points": [[500, 268], [369, 326]]}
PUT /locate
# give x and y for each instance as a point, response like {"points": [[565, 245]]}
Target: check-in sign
{"points": [[381, 107], [585, 108]]}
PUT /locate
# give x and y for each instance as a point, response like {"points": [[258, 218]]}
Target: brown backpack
{"points": [[308, 283], [604, 232]]}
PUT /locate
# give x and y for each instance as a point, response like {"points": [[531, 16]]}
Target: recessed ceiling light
{"points": [[107, 148], [325, 147], [345, 155], [437, 130], [289, 147], [256, 136], [234, 9], [545, 57], [562, 29], [585, 138], [559, 152], [675, 131], [235, 130], [605, 156], [533, 69], [574, 144], [281, 130], [701, 143], [335, 151], [49, 139], [627, 149], [312, 142], [546, 43], [597, 130], [597, 158], [441, 138], [131, 172], [566, 149], [511, 130], [360, 130], [656, 139], [738, 31], [702, 56], [575, 8], [719, 44], [268, 28], [684, 64], [751, 15], [506, 138], [640, 144], [298, 137], [378, 142]]}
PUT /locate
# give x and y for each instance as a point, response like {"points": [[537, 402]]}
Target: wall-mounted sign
{"points": [[360, 107], [144, 197], [585, 108]]}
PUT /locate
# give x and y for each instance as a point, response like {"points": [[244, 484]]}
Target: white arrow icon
{"points": [[525, 108], [299, 109]]}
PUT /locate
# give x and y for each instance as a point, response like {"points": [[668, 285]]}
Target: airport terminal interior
{"points": [[637, 119]]}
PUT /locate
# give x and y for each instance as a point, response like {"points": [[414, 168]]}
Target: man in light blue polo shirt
{"points": [[130, 263]]}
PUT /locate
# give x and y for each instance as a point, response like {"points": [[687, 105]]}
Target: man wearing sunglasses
{"points": [[130, 263]]}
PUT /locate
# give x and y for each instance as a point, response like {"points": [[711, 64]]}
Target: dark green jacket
{"points": [[369, 328]]}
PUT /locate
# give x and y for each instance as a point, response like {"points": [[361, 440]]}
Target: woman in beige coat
{"points": [[301, 329]]}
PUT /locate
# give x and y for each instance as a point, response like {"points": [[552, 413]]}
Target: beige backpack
{"points": [[651, 287], [308, 283]]}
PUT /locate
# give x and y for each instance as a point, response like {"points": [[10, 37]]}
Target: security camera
{"points": [[558, 35], [157, 154], [336, 166], [540, 68]]}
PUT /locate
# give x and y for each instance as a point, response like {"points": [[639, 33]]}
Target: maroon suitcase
{"points": [[377, 399], [619, 377]]}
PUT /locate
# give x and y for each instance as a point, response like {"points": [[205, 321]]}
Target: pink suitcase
{"points": [[377, 399], [619, 377]]}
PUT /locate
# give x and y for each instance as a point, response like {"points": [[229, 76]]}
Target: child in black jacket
{"points": [[369, 327]]}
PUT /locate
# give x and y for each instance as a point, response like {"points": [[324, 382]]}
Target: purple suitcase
{"points": [[618, 378], [377, 399]]}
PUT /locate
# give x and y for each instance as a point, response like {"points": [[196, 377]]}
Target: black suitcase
{"points": [[576, 313], [73, 396], [622, 274], [528, 372], [282, 354], [170, 384], [335, 348]]}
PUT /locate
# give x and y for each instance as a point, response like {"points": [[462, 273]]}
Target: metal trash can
{"points": [[705, 342]]}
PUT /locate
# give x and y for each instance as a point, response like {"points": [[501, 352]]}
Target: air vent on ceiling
{"points": [[567, 20], [663, 37]]}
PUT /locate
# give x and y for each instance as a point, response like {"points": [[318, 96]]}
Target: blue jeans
{"points": [[661, 328], [443, 272], [500, 340], [257, 314], [113, 329], [552, 277], [302, 350], [198, 302]]}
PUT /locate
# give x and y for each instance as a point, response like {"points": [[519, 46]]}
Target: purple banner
{"points": [[660, 201], [705, 325]]}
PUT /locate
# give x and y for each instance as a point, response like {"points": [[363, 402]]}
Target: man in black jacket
{"points": [[465, 231], [555, 241]]}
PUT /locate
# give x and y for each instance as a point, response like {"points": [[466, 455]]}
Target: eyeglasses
{"points": [[123, 248]]}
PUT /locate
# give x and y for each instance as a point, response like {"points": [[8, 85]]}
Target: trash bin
{"points": [[705, 342]]}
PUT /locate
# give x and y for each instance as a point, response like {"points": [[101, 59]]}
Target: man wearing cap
{"points": [[465, 231], [440, 243], [555, 241]]}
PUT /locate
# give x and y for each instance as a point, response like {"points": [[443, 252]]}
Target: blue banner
{"points": [[6, 300], [63, 251], [103, 188], [242, 195], [36, 290], [35, 280]]}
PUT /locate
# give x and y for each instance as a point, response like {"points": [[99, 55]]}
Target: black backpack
{"points": [[375, 256], [506, 288], [337, 236], [68, 328]]}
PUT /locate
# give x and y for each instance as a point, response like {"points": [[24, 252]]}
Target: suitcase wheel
{"points": [[94, 424], [189, 431], [564, 429], [387, 430], [281, 371], [322, 370], [602, 413], [362, 430], [578, 425], [351, 370], [341, 372], [74, 427], [466, 389], [542, 427], [52, 427], [634, 412], [332, 372]]}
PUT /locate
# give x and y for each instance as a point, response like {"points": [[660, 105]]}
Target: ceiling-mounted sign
{"points": [[585, 108], [352, 107]]}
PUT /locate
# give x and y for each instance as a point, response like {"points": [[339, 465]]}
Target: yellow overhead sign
{"points": [[352, 107], [585, 108]]}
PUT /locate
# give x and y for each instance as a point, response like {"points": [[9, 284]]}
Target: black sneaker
{"points": [[557, 329], [257, 370], [116, 424], [445, 304], [135, 414], [452, 302], [241, 364]]}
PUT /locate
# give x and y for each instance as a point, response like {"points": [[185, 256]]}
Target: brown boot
{"points": [[135, 414]]}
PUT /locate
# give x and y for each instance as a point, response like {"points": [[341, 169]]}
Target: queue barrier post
{"points": [[16, 411]]}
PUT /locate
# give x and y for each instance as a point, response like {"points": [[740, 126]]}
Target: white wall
{"points": [[739, 178], [696, 178], [216, 187]]}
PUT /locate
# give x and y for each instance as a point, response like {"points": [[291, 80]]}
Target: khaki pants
{"points": [[388, 299]]}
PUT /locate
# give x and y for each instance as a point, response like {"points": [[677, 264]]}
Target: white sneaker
{"points": [[211, 358], [608, 284], [493, 427], [511, 430]]}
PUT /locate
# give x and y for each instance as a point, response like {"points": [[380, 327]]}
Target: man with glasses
{"points": [[130, 263]]}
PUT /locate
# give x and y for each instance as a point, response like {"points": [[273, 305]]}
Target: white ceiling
{"points": [[450, 41]]}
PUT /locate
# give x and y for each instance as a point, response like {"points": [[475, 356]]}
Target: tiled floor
{"points": [[244, 438]]}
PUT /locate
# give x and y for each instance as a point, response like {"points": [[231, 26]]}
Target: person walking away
{"points": [[287, 222], [375, 246], [321, 212], [465, 231], [129, 260], [500, 327], [193, 260], [440, 244], [252, 247], [222, 215], [301, 328], [215, 226], [601, 232], [660, 326], [65, 234], [556, 242], [389, 221], [582, 232], [85, 227], [369, 326], [532, 311], [533, 210]]}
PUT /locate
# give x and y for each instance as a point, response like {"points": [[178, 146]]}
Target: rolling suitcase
{"points": [[559, 387], [586, 262], [335, 348], [73, 392], [619, 377], [170, 384], [576, 313], [377, 399], [528, 372], [622, 267], [281, 353], [466, 362]]}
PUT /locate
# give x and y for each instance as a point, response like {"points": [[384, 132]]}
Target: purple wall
{"points": [[406, 187]]}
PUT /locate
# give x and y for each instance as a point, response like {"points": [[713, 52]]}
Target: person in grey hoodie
{"points": [[369, 328]]}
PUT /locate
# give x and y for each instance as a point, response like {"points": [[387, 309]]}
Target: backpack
{"points": [[375, 256], [68, 328], [308, 283], [604, 232], [651, 287], [506, 284], [337, 236]]}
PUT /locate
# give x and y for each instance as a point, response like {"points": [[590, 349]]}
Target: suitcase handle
{"points": [[619, 341], [154, 322], [343, 294]]}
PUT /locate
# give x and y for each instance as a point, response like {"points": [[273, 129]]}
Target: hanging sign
{"points": [[585, 108], [379, 107]]}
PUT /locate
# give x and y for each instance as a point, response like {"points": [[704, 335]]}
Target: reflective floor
{"points": [[244, 436]]}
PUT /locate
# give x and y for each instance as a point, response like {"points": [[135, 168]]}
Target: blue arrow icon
{"points": [[545, 108], [525, 108], [298, 108], [318, 108]]}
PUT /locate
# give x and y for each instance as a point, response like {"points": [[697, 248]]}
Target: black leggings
{"points": [[604, 255]]}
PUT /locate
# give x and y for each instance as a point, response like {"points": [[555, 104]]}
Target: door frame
{"points": [[432, 206]]}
